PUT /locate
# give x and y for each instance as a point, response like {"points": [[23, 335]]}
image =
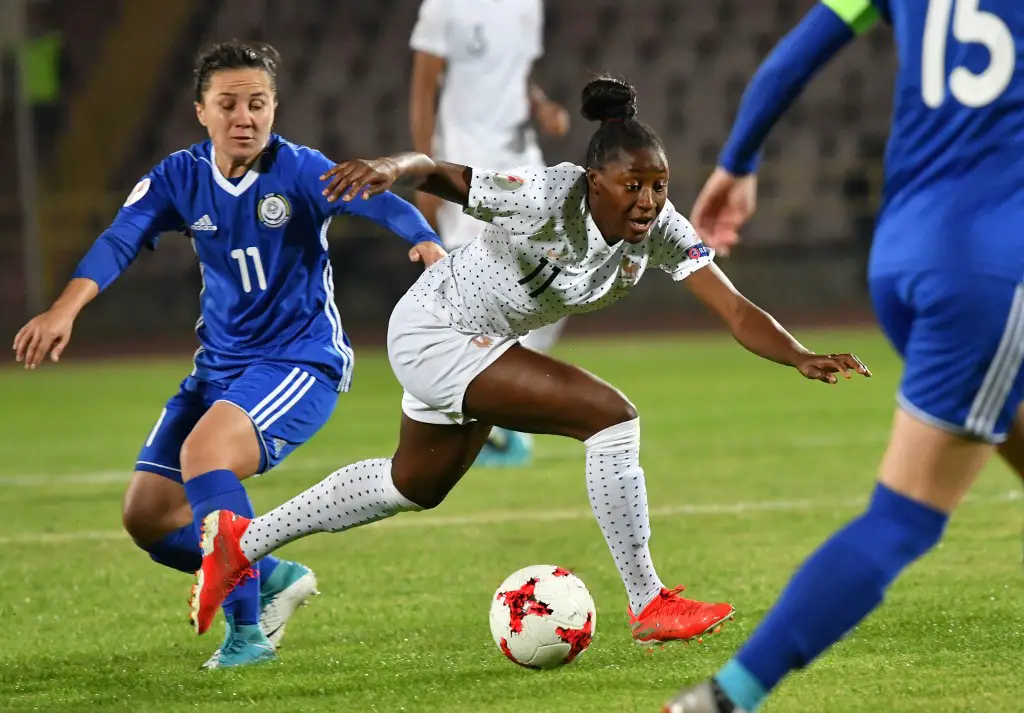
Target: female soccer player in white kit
{"points": [[471, 102], [562, 240]]}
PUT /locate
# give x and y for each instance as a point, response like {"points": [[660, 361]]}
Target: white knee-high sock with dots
{"points": [[618, 496], [356, 495]]}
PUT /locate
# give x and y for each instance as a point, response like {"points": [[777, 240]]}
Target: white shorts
{"points": [[435, 363]]}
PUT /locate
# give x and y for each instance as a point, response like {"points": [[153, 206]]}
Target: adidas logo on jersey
{"points": [[204, 223]]}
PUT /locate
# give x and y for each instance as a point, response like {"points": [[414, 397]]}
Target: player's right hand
{"points": [[724, 205], [47, 333], [360, 177], [428, 253], [824, 367]]}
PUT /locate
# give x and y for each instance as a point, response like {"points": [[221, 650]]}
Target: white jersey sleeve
{"points": [[677, 248], [535, 46], [523, 200], [430, 33]]}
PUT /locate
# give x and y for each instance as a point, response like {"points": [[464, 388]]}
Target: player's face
{"points": [[627, 195], [238, 112]]}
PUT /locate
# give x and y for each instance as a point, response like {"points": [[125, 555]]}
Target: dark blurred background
{"points": [[104, 92]]}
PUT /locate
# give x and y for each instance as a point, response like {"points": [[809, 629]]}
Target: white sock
{"points": [[543, 338], [357, 494], [618, 496]]}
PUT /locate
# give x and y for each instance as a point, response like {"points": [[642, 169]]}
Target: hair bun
{"points": [[606, 98]]}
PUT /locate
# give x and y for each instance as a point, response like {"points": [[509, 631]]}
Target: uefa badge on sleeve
{"points": [[508, 182], [274, 210], [696, 252], [140, 190]]}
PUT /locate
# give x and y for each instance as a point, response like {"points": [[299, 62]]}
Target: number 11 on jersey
{"points": [[257, 265]]}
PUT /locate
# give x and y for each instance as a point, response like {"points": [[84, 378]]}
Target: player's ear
{"points": [[592, 180], [200, 114]]}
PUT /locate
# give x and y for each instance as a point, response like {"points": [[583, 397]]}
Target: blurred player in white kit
{"points": [[472, 102]]}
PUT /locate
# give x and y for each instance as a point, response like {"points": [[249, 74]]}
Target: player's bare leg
{"points": [[925, 474], [155, 506], [522, 390], [1012, 449], [506, 448]]}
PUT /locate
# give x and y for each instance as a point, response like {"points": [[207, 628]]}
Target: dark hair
{"points": [[613, 102], [234, 55]]}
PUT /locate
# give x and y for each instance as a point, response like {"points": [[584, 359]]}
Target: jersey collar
{"points": [[251, 176]]}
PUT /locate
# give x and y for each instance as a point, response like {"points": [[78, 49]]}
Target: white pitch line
{"points": [[109, 477], [499, 517]]}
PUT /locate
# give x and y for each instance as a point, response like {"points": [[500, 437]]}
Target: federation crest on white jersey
{"points": [[542, 617]]}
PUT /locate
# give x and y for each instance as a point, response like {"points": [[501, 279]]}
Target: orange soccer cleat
{"points": [[671, 617], [224, 566]]}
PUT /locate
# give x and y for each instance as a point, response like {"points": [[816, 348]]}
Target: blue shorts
{"points": [[286, 403], [961, 337]]}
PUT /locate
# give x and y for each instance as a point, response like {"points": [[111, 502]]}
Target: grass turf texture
{"points": [[748, 468]]}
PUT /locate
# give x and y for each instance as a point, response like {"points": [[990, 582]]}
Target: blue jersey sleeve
{"points": [[148, 212], [385, 209], [826, 29]]}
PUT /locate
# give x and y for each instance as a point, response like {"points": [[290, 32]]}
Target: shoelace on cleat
{"points": [[682, 605], [234, 645], [245, 574]]}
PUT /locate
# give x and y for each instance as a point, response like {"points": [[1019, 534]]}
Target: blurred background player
{"points": [[945, 273], [562, 240], [472, 101], [273, 353]]}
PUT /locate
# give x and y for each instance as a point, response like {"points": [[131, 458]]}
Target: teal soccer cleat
{"points": [[243, 646], [288, 588]]}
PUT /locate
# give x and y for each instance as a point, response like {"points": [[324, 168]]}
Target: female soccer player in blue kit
{"points": [[273, 355], [947, 281]]}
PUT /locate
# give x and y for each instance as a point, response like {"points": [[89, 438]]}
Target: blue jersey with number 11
{"points": [[954, 190], [261, 240]]}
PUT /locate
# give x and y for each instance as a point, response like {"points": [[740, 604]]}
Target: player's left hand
{"points": [[360, 177], [428, 253], [824, 367], [553, 119]]}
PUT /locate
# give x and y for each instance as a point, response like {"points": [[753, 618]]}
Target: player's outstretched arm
{"points": [[49, 332], [760, 334], [365, 178], [145, 214], [728, 199]]}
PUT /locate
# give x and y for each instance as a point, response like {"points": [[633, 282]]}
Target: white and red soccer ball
{"points": [[542, 617]]}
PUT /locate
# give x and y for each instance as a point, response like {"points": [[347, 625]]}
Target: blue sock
{"points": [[178, 550], [832, 592], [267, 566], [221, 490]]}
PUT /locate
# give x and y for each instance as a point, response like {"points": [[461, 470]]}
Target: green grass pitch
{"points": [[748, 468]]}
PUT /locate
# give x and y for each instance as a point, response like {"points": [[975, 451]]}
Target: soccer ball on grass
{"points": [[542, 617]]}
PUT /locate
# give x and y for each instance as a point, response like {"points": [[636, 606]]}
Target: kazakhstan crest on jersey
{"points": [[274, 210]]}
